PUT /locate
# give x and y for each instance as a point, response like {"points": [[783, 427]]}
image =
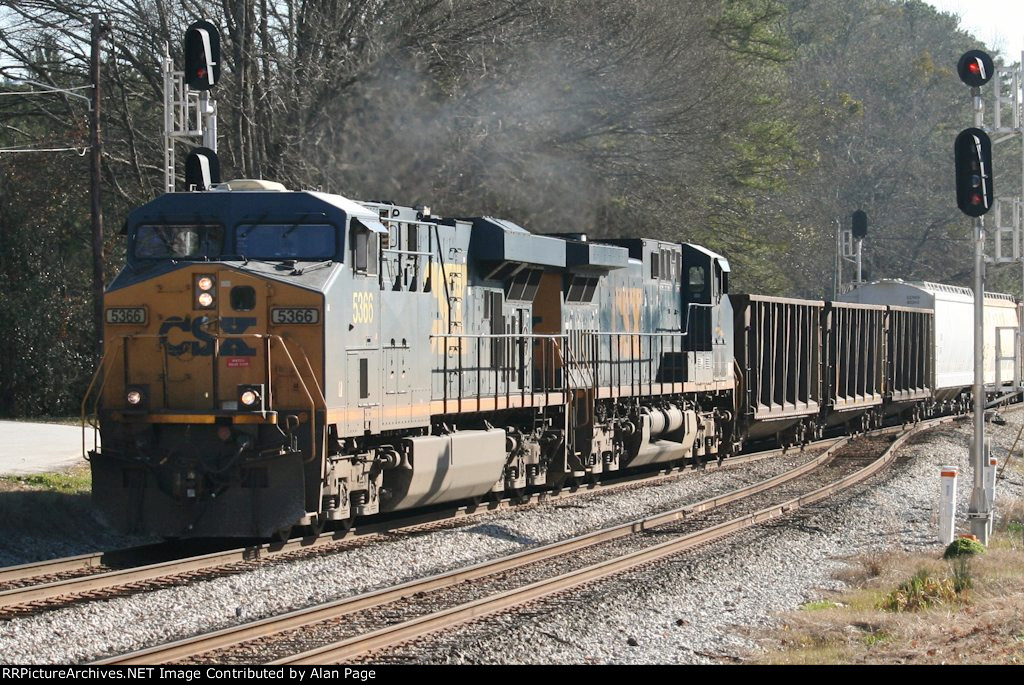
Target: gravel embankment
{"points": [[698, 607], [694, 608]]}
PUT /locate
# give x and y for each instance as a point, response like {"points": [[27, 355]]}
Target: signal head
{"points": [[975, 68], [202, 169], [860, 224], [202, 55], [973, 153]]}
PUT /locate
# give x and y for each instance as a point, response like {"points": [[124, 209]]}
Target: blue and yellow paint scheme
{"points": [[276, 358]]}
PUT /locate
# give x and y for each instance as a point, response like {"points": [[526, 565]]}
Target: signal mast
{"points": [[190, 112], [974, 196]]}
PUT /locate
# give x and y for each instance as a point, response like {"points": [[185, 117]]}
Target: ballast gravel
{"points": [[699, 607], [694, 608]]}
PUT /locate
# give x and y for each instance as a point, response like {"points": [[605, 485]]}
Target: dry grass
{"points": [[983, 624]]}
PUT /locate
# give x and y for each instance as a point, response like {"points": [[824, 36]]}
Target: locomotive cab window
{"points": [[177, 241], [286, 241], [697, 284], [363, 244]]}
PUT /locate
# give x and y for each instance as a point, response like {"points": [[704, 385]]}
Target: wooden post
{"points": [[94, 179]]}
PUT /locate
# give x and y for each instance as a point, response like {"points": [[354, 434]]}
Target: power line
{"points": [[12, 150]]}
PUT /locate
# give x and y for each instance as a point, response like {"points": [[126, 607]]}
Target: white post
{"points": [[947, 504], [990, 476]]}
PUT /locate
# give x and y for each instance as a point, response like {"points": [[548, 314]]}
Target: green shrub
{"points": [[963, 547], [919, 592]]}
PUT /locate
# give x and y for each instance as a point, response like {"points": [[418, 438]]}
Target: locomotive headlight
{"points": [[135, 396], [204, 292], [250, 397]]}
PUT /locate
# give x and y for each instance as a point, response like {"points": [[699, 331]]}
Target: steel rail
{"points": [[188, 647], [364, 531], [423, 625], [53, 566]]}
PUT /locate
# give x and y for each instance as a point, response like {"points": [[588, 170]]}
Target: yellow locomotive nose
{"points": [[207, 392]]}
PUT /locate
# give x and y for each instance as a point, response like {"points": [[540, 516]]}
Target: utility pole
{"points": [[95, 160]]}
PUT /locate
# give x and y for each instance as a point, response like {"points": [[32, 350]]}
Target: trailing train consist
{"points": [[277, 359]]}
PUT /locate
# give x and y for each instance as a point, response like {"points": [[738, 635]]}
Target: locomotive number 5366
{"points": [[362, 307]]}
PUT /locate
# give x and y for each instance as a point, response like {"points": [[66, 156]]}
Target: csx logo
{"points": [[629, 304], [202, 346]]}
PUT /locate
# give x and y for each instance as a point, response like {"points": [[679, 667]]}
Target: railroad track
{"points": [[42, 586], [387, 617]]}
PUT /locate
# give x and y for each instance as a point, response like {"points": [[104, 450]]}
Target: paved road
{"points": [[38, 447]]}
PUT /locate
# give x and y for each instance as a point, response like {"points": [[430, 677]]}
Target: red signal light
{"points": [[975, 68], [975, 199], [202, 55]]}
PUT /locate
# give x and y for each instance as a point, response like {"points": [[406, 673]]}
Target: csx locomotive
{"points": [[277, 359]]}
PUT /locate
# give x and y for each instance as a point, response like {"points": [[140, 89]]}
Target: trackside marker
{"points": [[990, 479], [947, 504]]}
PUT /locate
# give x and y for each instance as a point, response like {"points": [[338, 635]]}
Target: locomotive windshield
{"points": [[177, 241], [286, 241]]}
